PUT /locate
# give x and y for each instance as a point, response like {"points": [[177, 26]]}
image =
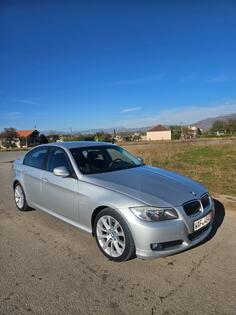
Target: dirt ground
{"points": [[49, 267]]}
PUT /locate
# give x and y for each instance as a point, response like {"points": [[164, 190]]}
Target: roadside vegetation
{"points": [[212, 165]]}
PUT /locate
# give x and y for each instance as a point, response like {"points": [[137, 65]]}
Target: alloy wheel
{"points": [[19, 197], [111, 236]]}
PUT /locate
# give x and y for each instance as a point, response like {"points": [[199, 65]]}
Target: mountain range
{"points": [[204, 124]]}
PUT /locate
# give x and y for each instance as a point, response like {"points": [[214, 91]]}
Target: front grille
{"points": [[198, 233], [192, 207], [205, 200]]}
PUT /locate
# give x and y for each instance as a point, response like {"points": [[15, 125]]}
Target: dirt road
{"points": [[49, 267]]}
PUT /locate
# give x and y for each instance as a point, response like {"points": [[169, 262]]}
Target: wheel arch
{"points": [[94, 214], [16, 181]]}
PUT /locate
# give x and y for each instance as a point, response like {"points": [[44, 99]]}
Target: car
{"points": [[132, 209]]}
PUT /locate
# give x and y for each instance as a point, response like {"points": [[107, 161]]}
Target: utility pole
{"points": [[182, 133]]}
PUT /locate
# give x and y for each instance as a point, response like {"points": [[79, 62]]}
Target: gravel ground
{"points": [[50, 267]]}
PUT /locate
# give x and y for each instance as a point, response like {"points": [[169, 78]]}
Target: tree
{"points": [[89, 137], [8, 135], [218, 125], [231, 126], [185, 132], [53, 137], [101, 136], [136, 137], [43, 139], [199, 132], [175, 132]]}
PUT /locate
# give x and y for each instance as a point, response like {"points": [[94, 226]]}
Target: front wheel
{"points": [[20, 199], [113, 236]]}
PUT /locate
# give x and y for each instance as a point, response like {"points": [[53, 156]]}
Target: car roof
{"points": [[78, 144]]}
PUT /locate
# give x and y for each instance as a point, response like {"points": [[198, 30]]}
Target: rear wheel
{"points": [[20, 199], [113, 236]]}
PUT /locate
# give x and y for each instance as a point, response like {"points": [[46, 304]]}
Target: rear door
{"points": [[60, 194], [33, 165]]}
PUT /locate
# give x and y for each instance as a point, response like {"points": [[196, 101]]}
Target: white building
{"points": [[159, 132]]}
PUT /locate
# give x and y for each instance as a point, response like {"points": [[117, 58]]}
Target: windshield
{"points": [[100, 159]]}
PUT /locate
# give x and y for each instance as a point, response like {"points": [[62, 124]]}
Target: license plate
{"points": [[202, 222]]}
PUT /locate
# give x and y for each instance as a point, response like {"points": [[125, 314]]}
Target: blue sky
{"points": [[98, 64]]}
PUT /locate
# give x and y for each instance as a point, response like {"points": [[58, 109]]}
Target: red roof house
{"points": [[28, 137]]}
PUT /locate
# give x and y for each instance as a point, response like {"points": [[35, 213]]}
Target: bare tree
{"points": [[7, 136]]}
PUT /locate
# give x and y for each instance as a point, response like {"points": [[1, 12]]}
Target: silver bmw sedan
{"points": [[131, 209]]}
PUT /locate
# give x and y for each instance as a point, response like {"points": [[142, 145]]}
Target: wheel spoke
{"points": [[120, 234], [106, 244], [122, 244], [113, 251], [109, 221], [105, 224], [17, 194], [116, 225], [102, 236], [117, 248], [102, 228]]}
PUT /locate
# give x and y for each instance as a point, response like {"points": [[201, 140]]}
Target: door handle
{"points": [[44, 179]]}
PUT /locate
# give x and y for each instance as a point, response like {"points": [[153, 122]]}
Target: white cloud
{"points": [[185, 115], [13, 116], [140, 80], [28, 102], [218, 79], [131, 109]]}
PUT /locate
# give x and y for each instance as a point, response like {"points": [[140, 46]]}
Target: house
{"points": [[118, 138], [194, 131], [27, 138], [159, 132]]}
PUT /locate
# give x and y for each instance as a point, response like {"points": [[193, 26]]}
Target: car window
{"points": [[101, 159], [58, 157], [36, 158]]}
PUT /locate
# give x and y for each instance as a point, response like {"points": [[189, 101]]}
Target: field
{"points": [[214, 165]]}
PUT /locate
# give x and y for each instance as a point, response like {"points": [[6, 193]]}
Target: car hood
{"points": [[151, 185]]}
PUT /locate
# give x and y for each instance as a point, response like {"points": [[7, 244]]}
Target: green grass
{"points": [[212, 165]]}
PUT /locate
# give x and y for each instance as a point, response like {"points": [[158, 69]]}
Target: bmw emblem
{"points": [[193, 193]]}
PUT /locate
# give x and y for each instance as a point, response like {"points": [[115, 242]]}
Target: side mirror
{"points": [[61, 171], [140, 159]]}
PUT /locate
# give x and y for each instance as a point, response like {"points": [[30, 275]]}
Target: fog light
{"points": [[156, 246]]}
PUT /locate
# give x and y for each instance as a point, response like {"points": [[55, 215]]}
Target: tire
{"points": [[20, 199], [113, 236]]}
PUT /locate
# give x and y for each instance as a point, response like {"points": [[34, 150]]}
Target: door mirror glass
{"points": [[61, 171]]}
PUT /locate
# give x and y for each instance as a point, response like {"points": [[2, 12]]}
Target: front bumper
{"points": [[178, 235], [151, 254]]}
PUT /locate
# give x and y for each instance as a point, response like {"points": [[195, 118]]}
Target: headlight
{"points": [[154, 213]]}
